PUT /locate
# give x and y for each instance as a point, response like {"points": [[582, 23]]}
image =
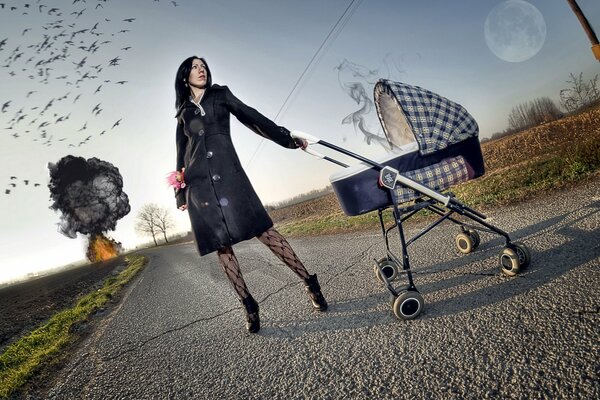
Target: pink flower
{"points": [[175, 179]]}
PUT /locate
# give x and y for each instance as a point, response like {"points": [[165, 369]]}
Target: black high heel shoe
{"points": [[314, 292], [252, 318]]}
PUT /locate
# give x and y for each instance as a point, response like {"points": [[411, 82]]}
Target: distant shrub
{"points": [[581, 94]]}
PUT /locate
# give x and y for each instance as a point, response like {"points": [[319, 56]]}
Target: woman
{"points": [[222, 205]]}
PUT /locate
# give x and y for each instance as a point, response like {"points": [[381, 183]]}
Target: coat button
{"points": [[216, 178], [201, 132], [209, 154]]}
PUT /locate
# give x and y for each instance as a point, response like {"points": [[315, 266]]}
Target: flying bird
{"points": [[129, 19], [62, 118], [80, 63], [78, 14], [116, 123]]}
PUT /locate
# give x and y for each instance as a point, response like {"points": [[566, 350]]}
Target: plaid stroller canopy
{"points": [[407, 111]]}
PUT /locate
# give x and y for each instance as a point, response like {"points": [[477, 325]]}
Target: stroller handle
{"points": [[395, 175], [310, 139]]}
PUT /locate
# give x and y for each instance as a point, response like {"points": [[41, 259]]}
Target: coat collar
{"points": [[187, 103]]}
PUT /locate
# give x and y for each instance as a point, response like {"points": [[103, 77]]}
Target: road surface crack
{"points": [[182, 327], [168, 331], [359, 259]]}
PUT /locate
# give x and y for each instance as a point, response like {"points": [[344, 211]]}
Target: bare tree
{"points": [[164, 221], [580, 94], [148, 221]]}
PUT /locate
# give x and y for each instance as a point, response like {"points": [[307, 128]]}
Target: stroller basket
{"points": [[436, 146]]}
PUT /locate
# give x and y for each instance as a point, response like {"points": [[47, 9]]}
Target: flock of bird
{"points": [[65, 55], [13, 184]]}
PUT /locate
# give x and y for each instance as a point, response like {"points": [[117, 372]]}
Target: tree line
{"points": [[580, 95]]}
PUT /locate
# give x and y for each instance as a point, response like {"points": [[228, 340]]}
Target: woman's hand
{"points": [[183, 207], [302, 143]]}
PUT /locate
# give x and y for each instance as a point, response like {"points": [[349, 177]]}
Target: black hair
{"points": [[182, 91]]}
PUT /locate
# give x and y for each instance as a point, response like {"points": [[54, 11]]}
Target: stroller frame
{"points": [[407, 301]]}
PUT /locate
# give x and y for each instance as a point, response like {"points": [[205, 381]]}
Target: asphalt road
{"points": [[179, 331]]}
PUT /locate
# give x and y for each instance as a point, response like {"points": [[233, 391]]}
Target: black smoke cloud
{"points": [[89, 195]]}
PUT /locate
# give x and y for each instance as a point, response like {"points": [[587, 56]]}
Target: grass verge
{"points": [[23, 358]]}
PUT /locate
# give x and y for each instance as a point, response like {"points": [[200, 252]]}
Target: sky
{"points": [[291, 60]]}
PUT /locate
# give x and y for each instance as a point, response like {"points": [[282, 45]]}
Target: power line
{"points": [[342, 21]]}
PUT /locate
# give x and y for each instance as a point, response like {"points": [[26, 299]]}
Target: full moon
{"points": [[515, 30]]}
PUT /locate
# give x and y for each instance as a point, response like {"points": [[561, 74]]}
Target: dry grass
{"points": [[557, 137]]}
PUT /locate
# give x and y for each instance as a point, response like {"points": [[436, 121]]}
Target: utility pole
{"points": [[587, 28]]}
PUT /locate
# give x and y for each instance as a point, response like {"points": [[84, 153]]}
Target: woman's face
{"points": [[197, 75]]}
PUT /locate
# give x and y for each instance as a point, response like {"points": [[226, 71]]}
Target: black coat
{"points": [[223, 207]]}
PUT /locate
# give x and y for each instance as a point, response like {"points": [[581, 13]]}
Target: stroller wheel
{"points": [[476, 238], [509, 262], [389, 267], [464, 242], [523, 254], [408, 305]]}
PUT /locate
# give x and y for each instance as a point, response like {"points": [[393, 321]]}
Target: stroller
{"points": [[446, 152]]}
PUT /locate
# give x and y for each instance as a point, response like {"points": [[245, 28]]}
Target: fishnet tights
{"points": [[283, 251], [230, 265], [278, 245]]}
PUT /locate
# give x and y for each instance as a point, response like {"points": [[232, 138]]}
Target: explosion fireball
{"points": [[89, 195]]}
